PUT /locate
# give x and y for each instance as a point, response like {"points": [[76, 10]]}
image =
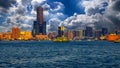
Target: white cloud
{"points": [[59, 7], [53, 24], [39, 1], [79, 21]]}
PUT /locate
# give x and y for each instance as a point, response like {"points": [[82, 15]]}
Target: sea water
{"points": [[48, 54]]}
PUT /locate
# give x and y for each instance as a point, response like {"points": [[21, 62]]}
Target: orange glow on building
{"points": [[15, 33], [41, 37], [112, 37], [1, 36], [119, 36], [25, 35], [7, 36], [102, 37]]}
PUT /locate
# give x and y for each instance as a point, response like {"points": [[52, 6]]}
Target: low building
{"points": [[52, 35], [1, 36], [25, 35], [7, 36], [41, 37], [112, 37], [15, 33]]}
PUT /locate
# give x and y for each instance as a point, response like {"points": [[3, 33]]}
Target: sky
{"points": [[73, 14]]}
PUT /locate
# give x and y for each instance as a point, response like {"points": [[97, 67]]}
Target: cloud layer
{"points": [[93, 13]]}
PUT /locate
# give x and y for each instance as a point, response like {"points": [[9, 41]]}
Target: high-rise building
{"points": [[69, 35], [39, 26], [76, 33], [35, 30], [89, 32], [40, 18], [104, 31], [81, 33], [60, 31], [15, 33], [97, 34]]}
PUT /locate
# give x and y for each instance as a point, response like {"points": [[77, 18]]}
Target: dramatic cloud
{"points": [[98, 14], [113, 13], [53, 24], [7, 3], [73, 15]]}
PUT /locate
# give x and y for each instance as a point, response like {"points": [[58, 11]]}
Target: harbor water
{"points": [[48, 54]]}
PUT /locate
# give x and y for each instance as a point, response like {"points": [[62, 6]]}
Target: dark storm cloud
{"points": [[115, 21], [7, 3], [113, 17], [116, 6]]}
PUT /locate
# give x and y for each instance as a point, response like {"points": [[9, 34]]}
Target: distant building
{"points": [[15, 33], [39, 26], [52, 35], [97, 34], [35, 30], [25, 35], [69, 34], [1, 36], [118, 32], [112, 37], [60, 31], [104, 31], [41, 37], [89, 32], [79, 34], [7, 36], [76, 33]]}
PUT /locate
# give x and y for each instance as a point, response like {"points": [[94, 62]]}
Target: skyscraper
{"points": [[97, 34], [81, 32], [60, 31], [69, 35], [39, 26], [104, 31], [40, 18], [89, 32]]}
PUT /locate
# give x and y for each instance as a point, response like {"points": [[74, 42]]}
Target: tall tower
{"points": [[40, 18], [39, 26]]}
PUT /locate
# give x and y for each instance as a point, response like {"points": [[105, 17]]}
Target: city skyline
{"points": [[73, 15]]}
